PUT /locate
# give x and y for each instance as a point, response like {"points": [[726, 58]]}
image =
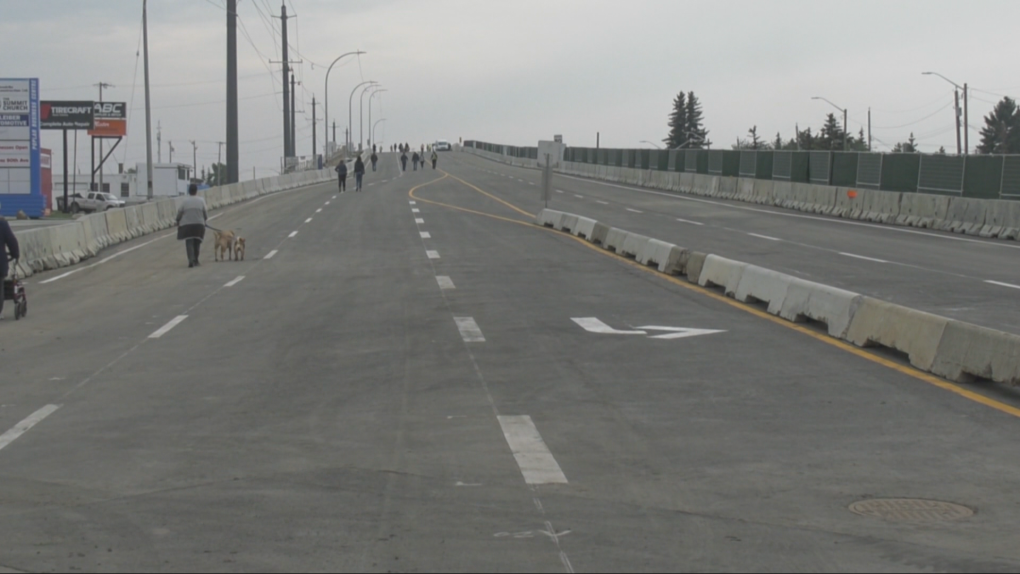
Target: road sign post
{"points": [[546, 180]]}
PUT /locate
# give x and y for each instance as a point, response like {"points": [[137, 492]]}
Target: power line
{"points": [[913, 122]]}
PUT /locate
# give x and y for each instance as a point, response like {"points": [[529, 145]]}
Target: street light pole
{"points": [[350, 114], [956, 95], [845, 127], [361, 115], [326, 102], [372, 95], [377, 122], [650, 143]]}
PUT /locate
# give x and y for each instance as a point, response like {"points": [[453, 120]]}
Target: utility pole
{"points": [[194, 157], [101, 85], [148, 107], [334, 136], [315, 157], [956, 95], [171, 144], [286, 71], [159, 142], [869, 129], [219, 154], [232, 174], [966, 124], [293, 118]]}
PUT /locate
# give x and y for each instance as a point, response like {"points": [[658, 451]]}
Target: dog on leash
{"points": [[223, 244], [239, 249]]}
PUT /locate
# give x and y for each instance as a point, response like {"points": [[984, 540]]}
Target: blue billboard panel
{"points": [[20, 167]]}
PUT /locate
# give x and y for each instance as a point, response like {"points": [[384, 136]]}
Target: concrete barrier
{"points": [[568, 223], [549, 218], [968, 352], [117, 224], [668, 258], [721, 272], [633, 244], [760, 285], [782, 193], [909, 331], [830, 305], [965, 215], [695, 264], [614, 239], [763, 191], [1000, 218], [591, 230]]}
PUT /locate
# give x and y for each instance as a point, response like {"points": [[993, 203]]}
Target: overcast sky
{"points": [[517, 71]]}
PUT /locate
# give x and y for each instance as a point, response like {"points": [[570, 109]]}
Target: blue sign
{"points": [[20, 148]]}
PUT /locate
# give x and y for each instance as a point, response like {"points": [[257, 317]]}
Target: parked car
{"points": [[94, 201], [442, 145]]}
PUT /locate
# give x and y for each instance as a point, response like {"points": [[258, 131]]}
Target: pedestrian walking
{"points": [[359, 173], [403, 161], [375, 159], [8, 245], [341, 172], [191, 220], [435, 158], [414, 160]]}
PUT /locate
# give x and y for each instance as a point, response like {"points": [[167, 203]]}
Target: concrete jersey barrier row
{"points": [[982, 217], [48, 248], [951, 349]]}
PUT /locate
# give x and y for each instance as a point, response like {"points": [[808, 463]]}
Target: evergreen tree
{"points": [[697, 135], [754, 142], [909, 146], [830, 137], [1001, 133], [677, 123], [778, 143], [805, 140]]}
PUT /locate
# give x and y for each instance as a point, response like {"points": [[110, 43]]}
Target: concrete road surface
{"points": [[417, 378]]}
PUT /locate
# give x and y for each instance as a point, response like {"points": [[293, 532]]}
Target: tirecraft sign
{"points": [[110, 119], [66, 115]]}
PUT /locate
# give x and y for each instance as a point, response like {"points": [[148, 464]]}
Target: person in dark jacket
{"points": [[374, 159], [359, 173], [403, 161], [341, 172], [191, 220], [435, 158], [414, 160], [8, 244]]}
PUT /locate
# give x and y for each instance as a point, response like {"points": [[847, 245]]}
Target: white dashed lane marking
{"points": [[469, 330], [1000, 284], [235, 281], [445, 282], [415, 210], [292, 234], [419, 221], [166, 328], [426, 235], [602, 202], [764, 237], [863, 257], [533, 457], [309, 220], [271, 254], [689, 221], [25, 425], [634, 210], [432, 254]]}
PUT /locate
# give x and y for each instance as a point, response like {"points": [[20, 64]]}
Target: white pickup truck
{"points": [[94, 201]]}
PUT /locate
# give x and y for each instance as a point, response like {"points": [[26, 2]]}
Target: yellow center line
{"points": [[683, 283]]}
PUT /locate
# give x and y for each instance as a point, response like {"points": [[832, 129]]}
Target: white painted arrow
{"points": [[680, 332], [593, 325]]}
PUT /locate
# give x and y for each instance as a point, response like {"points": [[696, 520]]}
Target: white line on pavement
{"points": [[634, 210], [415, 210], [426, 235], [533, 457], [602, 202], [1000, 284], [863, 257], [309, 220], [413, 202], [235, 281], [578, 196], [327, 203], [432, 254], [24, 426], [469, 330], [445, 282], [688, 221], [271, 254], [764, 237], [166, 328], [559, 191], [100, 262], [292, 234], [318, 210], [419, 221], [334, 197]]}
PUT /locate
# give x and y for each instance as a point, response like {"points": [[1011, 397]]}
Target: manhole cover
{"points": [[911, 510]]}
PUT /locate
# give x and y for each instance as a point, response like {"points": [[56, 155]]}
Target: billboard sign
{"points": [[110, 119], [66, 115], [20, 175]]}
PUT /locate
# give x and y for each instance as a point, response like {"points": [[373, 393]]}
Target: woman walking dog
{"points": [[191, 220]]}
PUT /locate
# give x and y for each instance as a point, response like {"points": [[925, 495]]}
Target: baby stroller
{"points": [[14, 291]]}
